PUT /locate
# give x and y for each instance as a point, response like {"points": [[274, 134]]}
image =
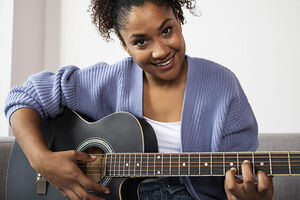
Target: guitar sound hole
{"points": [[94, 170]]}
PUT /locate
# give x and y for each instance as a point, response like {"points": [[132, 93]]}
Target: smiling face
{"points": [[153, 37]]}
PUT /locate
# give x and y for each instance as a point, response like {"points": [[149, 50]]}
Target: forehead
{"points": [[148, 16]]}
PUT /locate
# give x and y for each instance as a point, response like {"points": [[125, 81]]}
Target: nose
{"points": [[160, 50]]}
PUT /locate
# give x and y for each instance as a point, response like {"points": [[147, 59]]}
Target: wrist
{"points": [[39, 159]]}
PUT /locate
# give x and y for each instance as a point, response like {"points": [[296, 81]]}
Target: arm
{"points": [[44, 95], [68, 179]]}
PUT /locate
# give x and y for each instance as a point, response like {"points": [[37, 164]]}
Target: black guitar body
{"points": [[116, 133]]}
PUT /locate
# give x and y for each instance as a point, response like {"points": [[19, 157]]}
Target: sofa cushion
{"points": [[5, 148]]}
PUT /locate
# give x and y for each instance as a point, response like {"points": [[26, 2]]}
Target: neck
{"points": [[199, 164]]}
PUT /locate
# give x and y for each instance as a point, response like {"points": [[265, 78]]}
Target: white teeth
{"points": [[165, 63]]}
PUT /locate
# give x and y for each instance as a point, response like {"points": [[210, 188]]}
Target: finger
{"points": [[230, 183], [83, 194], [88, 184], [84, 157], [70, 194], [238, 180], [248, 178], [264, 183]]}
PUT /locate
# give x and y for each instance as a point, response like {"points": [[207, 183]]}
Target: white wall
{"points": [[6, 21], [258, 40]]}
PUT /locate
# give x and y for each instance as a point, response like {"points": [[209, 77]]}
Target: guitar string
{"points": [[203, 157], [174, 161]]}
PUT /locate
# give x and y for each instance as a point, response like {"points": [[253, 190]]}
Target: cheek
{"points": [[177, 42], [142, 58]]}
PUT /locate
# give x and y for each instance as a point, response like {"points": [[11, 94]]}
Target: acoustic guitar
{"points": [[126, 150]]}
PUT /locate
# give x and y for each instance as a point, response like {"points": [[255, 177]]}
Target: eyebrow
{"points": [[139, 35]]}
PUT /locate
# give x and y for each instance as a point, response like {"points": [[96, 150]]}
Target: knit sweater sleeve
{"points": [[240, 131], [45, 92]]}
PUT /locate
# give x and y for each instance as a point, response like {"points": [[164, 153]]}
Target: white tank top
{"points": [[168, 135]]}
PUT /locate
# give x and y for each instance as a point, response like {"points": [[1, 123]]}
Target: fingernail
{"points": [[107, 192], [233, 168], [94, 157], [246, 161]]}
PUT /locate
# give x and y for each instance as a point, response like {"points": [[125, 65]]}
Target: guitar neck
{"points": [[199, 164]]}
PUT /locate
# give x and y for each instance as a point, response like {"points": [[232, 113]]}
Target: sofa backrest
{"points": [[285, 187]]}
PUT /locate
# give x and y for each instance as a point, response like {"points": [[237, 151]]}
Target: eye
{"points": [[167, 31], [140, 43]]}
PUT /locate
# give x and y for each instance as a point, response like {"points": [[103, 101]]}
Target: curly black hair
{"points": [[109, 15]]}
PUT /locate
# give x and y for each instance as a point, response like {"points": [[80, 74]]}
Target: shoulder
{"points": [[213, 77], [119, 66], [211, 68]]}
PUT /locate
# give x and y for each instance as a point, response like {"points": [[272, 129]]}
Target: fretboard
{"points": [[199, 164]]}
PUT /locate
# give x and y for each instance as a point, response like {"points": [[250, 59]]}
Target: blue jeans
{"points": [[164, 189]]}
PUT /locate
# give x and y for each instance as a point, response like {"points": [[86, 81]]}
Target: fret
{"points": [[194, 164], [224, 170], [158, 164], [253, 164], [217, 164], [262, 162], [184, 164], [280, 163], [108, 165], [211, 172], [166, 164], [144, 164], [295, 163], [242, 157], [134, 164], [117, 169], [230, 161], [174, 164], [189, 161], [151, 169], [131, 164], [237, 163], [126, 167], [138, 163], [122, 161], [114, 164], [162, 165], [289, 161], [205, 162], [147, 164], [270, 159]]}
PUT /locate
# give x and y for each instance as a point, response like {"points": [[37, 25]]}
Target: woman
{"points": [[200, 103]]}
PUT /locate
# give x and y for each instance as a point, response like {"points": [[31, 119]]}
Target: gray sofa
{"points": [[286, 188]]}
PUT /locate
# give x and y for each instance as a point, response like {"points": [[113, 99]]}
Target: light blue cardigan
{"points": [[216, 114]]}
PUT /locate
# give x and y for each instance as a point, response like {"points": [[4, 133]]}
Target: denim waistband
{"points": [[169, 184]]}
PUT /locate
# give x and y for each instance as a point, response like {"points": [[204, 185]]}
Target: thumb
{"points": [[84, 157]]}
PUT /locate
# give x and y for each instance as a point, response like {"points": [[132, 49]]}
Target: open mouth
{"points": [[164, 64]]}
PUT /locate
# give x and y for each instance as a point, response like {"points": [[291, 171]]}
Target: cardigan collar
{"points": [[187, 125], [136, 88]]}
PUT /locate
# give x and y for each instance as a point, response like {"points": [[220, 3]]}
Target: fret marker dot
{"points": [[126, 164], [206, 164], [261, 164], [231, 164], [158, 172], [138, 164], [158, 157], [183, 164]]}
